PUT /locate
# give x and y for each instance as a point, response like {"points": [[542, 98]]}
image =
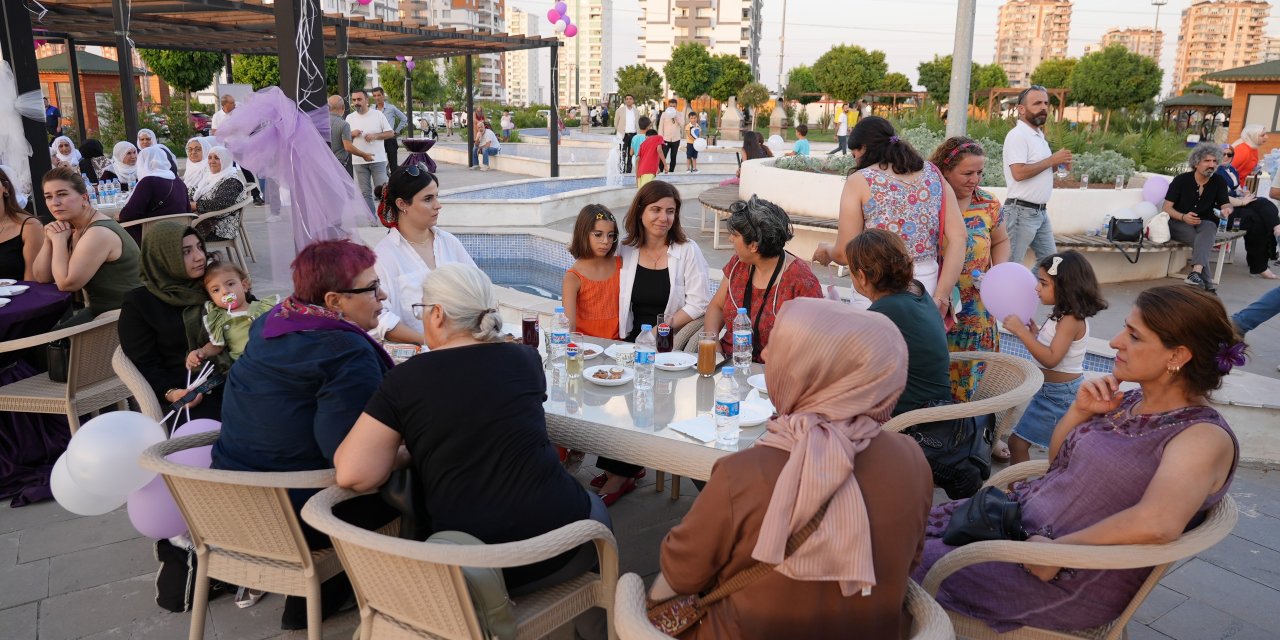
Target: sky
{"points": [[908, 31]]}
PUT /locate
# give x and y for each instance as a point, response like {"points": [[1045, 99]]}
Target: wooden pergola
{"points": [[894, 96], [1001, 94]]}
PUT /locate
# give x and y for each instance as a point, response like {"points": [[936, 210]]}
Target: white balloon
{"points": [[775, 139], [1145, 210], [1124, 214], [75, 499], [700, 144], [104, 452], [561, 25]]}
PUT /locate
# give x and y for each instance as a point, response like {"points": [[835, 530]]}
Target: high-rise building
{"points": [[1144, 42], [1029, 32], [1271, 49], [484, 16], [388, 10], [586, 69], [1217, 35], [723, 26], [522, 66]]}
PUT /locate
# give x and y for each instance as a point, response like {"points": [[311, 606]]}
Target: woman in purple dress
{"points": [[1133, 467]]}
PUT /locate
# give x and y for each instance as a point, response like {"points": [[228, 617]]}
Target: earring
{"points": [[1174, 369]]}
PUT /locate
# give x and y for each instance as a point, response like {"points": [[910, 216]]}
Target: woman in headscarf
{"points": [[93, 162], [65, 152], [1246, 149], [160, 322], [824, 459], [147, 138], [159, 192], [221, 188], [197, 164], [124, 163]]}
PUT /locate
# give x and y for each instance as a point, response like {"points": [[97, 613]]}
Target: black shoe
{"points": [[335, 595]]}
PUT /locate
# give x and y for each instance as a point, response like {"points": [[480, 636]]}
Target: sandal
{"points": [[1000, 451], [610, 498], [599, 480]]}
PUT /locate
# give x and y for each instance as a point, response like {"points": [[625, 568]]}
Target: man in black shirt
{"points": [[1194, 202]]}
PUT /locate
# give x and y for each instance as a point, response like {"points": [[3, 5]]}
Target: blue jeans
{"points": [[368, 176], [1044, 411], [489, 152], [1262, 310], [1028, 228]]}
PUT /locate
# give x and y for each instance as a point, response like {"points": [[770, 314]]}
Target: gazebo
{"points": [[295, 30], [1257, 87], [1197, 98], [913, 98]]}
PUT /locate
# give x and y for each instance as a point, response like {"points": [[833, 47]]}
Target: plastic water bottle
{"points": [[95, 192], [87, 185], [742, 340], [727, 405], [1084, 181], [113, 191], [646, 356], [1222, 221], [559, 334]]}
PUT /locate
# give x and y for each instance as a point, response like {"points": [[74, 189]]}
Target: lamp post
{"points": [[1157, 4]]}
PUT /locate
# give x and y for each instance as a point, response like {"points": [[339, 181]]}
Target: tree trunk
{"points": [[186, 97], [1107, 123]]}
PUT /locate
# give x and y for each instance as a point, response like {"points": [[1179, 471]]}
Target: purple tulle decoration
{"points": [[271, 137]]}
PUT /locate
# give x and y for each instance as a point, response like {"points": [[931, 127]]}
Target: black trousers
{"points": [[671, 149], [1258, 219], [393, 154], [626, 149]]}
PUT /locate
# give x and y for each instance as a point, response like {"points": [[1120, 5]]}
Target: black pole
{"points": [[75, 87], [20, 52], [344, 69], [553, 127], [124, 53], [231, 74], [301, 72], [408, 99], [471, 117]]}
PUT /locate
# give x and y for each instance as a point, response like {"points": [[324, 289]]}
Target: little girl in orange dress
{"points": [[590, 289]]}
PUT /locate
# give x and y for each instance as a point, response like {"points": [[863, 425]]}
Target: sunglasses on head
{"points": [[417, 169], [1034, 87]]}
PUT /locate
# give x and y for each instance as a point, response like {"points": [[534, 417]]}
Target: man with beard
{"points": [[1195, 201], [1028, 170]]}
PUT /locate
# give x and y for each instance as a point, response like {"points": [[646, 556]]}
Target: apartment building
{"points": [[723, 26], [487, 16], [1271, 49], [1029, 32], [1217, 35], [586, 63], [1144, 42], [521, 67]]}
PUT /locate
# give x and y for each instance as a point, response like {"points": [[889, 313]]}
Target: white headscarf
{"points": [[1251, 135], [118, 167], [197, 170], [153, 162], [72, 158], [154, 140], [229, 171], [13, 180]]}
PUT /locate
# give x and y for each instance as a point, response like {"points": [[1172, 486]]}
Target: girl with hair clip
{"points": [[591, 285], [1065, 281]]}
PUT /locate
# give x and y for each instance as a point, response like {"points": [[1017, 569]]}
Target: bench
{"points": [[1223, 242], [717, 201]]}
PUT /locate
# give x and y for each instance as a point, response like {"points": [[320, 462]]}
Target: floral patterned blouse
{"points": [[975, 329], [223, 227], [796, 281], [913, 210]]}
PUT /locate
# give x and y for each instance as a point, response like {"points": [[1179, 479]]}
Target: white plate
{"points": [[13, 290], [754, 397], [752, 415], [4, 301], [586, 346], [589, 374], [4, 282], [612, 350], [757, 381], [675, 361]]}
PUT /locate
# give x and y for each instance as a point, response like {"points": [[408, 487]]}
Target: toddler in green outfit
{"points": [[228, 313]]}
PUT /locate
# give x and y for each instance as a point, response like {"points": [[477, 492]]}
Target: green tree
{"points": [[801, 86], [111, 120], [691, 71], [455, 80], [264, 71], [186, 71], [1054, 74], [987, 76], [639, 80], [427, 88], [895, 82], [846, 72], [752, 95], [935, 77], [1115, 78], [731, 74], [1208, 86]]}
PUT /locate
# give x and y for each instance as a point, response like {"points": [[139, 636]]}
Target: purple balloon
{"points": [[153, 512], [409, 65], [553, 16], [193, 427], [565, 17], [561, 8], [1009, 289], [198, 457], [400, 58], [1155, 189]]}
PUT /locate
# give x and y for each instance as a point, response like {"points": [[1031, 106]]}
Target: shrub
{"points": [[1102, 166], [111, 121], [179, 124]]}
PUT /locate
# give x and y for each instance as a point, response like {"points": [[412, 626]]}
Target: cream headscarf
{"points": [[229, 170], [72, 158], [836, 374], [1252, 135], [153, 162], [197, 170], [118, 167]]}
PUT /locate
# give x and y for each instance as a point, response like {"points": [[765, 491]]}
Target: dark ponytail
{"points": [[880, 144]]}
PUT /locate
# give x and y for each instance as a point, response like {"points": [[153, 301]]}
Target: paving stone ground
{"points": [[64, 576]]}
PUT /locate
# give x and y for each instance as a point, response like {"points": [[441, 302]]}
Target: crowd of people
{"points": [[309, 385]]}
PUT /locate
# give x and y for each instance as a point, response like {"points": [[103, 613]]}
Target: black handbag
{"points": [[989, 515], [958, 451], [402, 492], [57, 356], [1126, 230]]}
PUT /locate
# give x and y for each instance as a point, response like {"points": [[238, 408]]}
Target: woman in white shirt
{"points": [[663, 272], [409, 205]]}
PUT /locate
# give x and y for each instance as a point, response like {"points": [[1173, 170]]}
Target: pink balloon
{"points": [[193, 427], [1155, 189], [561, 8], [365, 2], [553, 16], [571, 31], [153, 512], [1009, 289]]}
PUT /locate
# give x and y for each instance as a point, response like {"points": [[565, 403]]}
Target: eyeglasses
{"points": [[420, 310], [417, 169], [372, 288]]}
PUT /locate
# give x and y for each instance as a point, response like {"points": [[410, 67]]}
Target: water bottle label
{"points": [[560, 339], [646, 357], [741, 339], [726, 409], [664, 330]]}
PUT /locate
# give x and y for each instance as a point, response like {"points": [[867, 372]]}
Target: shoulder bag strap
{"points": [[760, 569]]}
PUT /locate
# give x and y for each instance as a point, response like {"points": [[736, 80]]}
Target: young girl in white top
{"points": [[1066, 282]]}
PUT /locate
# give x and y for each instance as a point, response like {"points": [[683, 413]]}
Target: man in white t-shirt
{"points": [[842, 131], [488, 146], [368, 129], [624, 122], [671, 128], [1028, 170]]}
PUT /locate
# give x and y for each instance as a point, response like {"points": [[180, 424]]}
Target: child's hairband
{"points": [[1053, 268]]}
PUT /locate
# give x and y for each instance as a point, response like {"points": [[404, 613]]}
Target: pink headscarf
{"points": [[831, 402]]}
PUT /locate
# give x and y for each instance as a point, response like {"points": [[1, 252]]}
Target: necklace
{"points": [[422, 243]]}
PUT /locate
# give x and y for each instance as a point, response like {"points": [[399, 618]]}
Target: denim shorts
{"points": [[1045, 410]]}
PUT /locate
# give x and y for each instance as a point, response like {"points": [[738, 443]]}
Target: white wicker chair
{"points": [[90, 385], [409, 589], [1007, 384], [128, 373], [1217, 525], [244, 529], [928, 620], [229, 245]]}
